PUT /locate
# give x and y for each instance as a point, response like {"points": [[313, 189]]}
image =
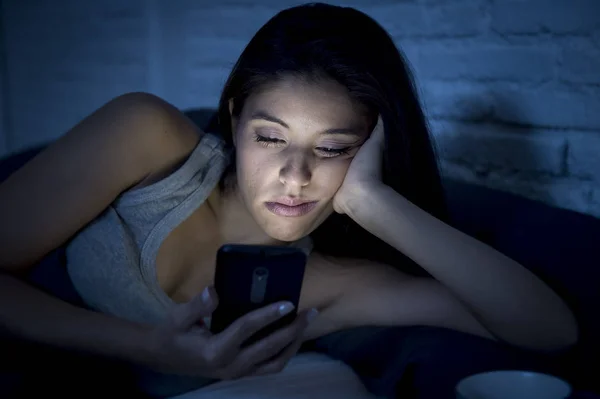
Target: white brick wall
{"points": [[512, 87], [66, 58]]}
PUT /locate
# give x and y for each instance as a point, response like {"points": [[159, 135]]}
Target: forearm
{"points": [[508, 299], [33, 315]]}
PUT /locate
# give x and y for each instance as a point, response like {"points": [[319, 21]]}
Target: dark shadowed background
{"points": [[512, 87]]}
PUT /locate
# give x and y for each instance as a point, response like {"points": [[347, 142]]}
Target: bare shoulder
{"points": [[338, 287], [164, 133], [156, 125], [75, 178], [362, 292], [351, 270], [328, 279]]}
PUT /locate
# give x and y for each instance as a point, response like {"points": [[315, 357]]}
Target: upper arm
{"points": [[74, 179], [375, 294]]}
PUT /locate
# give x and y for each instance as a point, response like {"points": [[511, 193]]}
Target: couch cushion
{"points": [[11, 163], [559, 245]]}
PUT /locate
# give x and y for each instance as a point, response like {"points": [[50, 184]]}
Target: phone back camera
{"points": [[261, 272], [259, 284]]}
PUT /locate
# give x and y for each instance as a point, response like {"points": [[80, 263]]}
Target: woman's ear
{"points": [[234, 122]]}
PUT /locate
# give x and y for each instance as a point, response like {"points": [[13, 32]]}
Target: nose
{"points": [[296, 172]]}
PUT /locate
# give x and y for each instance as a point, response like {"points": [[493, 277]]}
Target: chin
{"points": [[289, 229], [285, 233]]}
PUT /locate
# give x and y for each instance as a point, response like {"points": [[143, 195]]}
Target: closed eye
{"points": [[333, 152], [267, 141], [325, 152]]}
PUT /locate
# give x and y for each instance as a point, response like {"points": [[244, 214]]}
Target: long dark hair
{"points": [[320, 40]]}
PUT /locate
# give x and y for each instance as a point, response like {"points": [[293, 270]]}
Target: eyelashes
{"points": [[325, 152]]}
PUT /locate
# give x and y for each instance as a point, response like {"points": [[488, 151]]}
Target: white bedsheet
{"points": [[307, 376]]}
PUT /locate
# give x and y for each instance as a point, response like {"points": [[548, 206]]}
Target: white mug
{"points": [[512, 384]]}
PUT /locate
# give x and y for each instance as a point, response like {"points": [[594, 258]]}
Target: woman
{"points": [[322, 137]]}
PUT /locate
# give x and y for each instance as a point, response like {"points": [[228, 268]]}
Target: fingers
{"points": [[244, 327], [377, 136], [191, 313], [275, 350], [270, 346], [278, 364], [224, 348]]}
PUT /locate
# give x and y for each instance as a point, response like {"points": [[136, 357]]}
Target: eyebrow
{"points": [[262, 115]]}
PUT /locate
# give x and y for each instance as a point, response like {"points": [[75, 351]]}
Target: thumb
{"points": [[191, 313]]}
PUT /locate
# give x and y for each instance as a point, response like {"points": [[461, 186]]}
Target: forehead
{"points": [[322, 102]]}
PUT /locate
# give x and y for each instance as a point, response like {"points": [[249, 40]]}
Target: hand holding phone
{"points": [[181, 347]]}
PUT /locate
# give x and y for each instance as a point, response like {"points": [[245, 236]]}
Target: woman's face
{"points": [[294, 142]]}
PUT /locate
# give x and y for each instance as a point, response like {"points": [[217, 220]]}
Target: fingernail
{"points": [[310, 316], [206, 296], [285, 308]]}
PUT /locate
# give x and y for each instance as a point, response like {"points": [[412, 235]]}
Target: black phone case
{"points": [[249, 277]]}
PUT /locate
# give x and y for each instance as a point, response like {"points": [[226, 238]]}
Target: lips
{"points": [[290, 207]]}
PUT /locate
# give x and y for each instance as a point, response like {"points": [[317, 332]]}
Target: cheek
{"points": [[331, 174], [251, 169]]}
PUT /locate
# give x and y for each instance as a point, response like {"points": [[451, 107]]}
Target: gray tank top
{"points": [[112, 261]]}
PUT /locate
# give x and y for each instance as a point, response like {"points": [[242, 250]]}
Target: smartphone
{"points": [[248, 277]]}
